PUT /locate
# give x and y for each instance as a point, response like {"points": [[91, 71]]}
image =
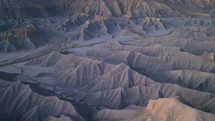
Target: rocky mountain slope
{"points": [[107, 60]]}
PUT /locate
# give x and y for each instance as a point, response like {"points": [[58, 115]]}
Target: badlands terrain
{"points": [[107, 60]]}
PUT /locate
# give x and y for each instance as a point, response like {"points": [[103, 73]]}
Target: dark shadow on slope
{"points": [[9, 117], [64, 52], [140, 71], [35, 88], [8, 76], [81, 108]]}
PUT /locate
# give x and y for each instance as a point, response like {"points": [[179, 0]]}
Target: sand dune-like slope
{"points": [[165, 109], [19, 102]]}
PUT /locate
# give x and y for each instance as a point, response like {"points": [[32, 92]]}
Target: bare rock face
{"points": [[209, 56], [107, 60], [129, 8]]}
